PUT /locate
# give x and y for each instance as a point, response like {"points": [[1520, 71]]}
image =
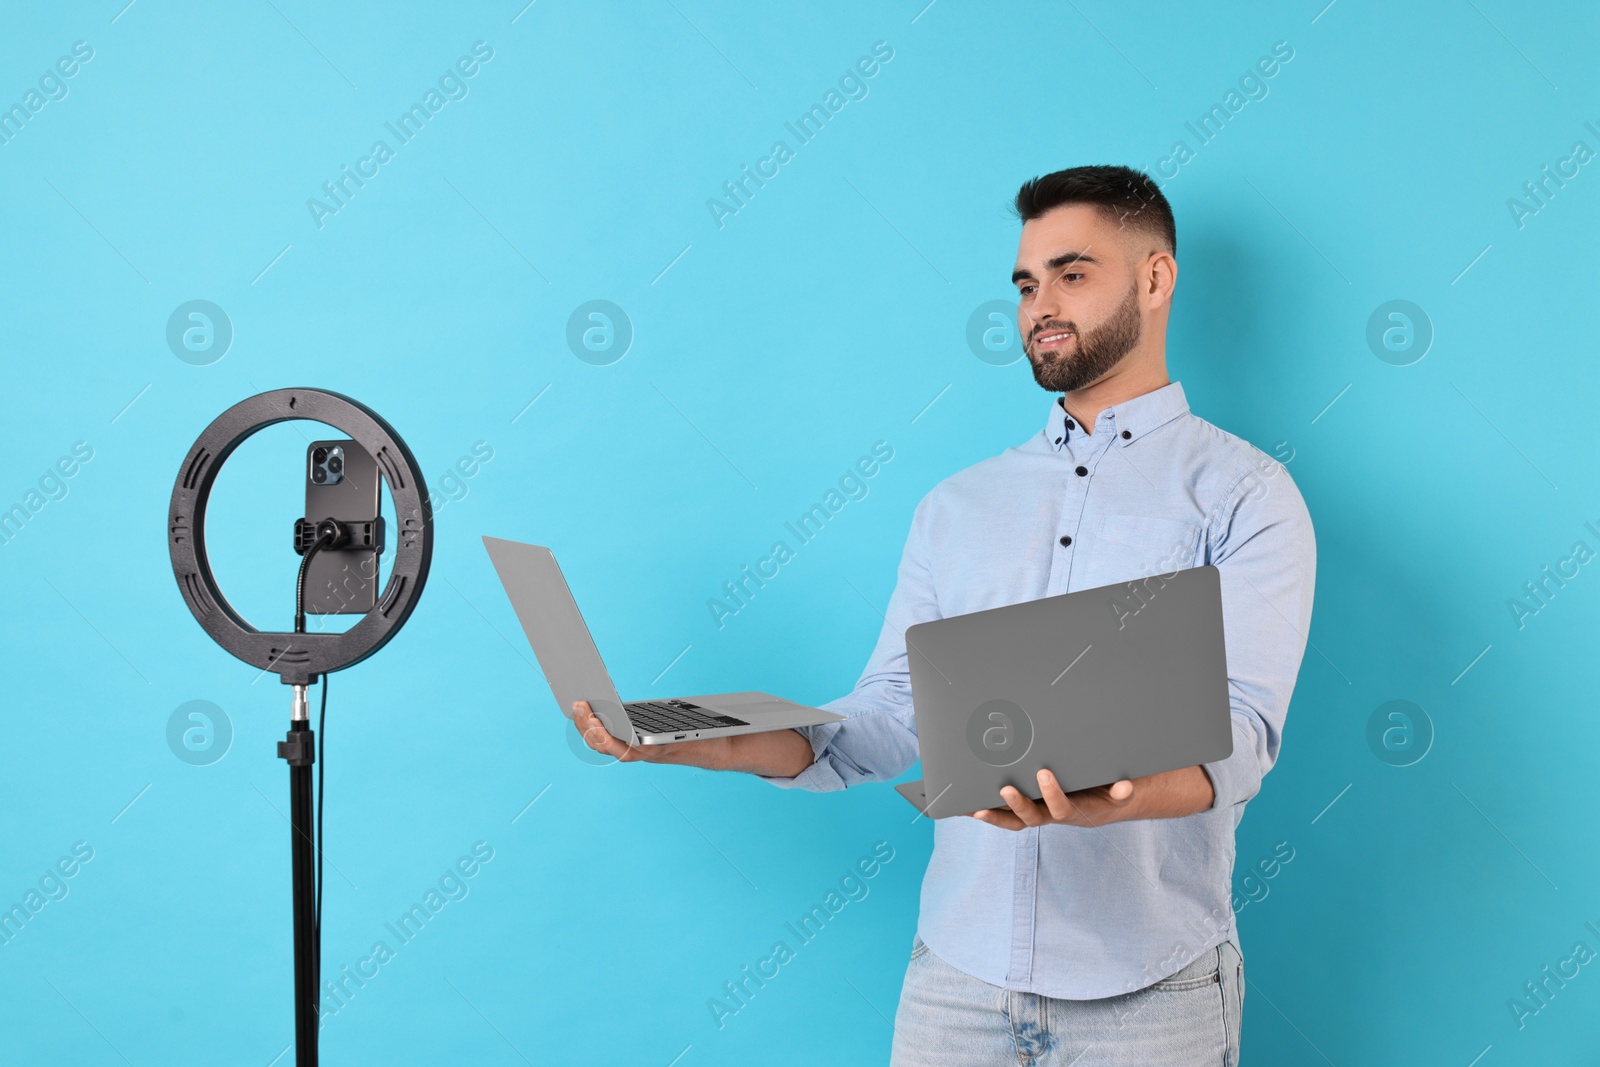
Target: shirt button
{"points": [[1065, 541], [1070, 425], [1126, 435], [1058, 440], [1082, 471]]}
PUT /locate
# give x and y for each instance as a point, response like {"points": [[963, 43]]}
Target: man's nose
{"points": [[1044, 308]]}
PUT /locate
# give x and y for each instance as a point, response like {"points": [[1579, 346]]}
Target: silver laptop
{"points": [[574, 670], [1098, 685]]}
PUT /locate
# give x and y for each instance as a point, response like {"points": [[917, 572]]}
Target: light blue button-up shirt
{"points": [[1067, 911]]}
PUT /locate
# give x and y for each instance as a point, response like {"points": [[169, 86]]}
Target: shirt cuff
{"points": [[1237, 778], [820, 777]]}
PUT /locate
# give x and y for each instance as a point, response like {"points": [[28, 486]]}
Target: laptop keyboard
{"points": [[675, 716]]}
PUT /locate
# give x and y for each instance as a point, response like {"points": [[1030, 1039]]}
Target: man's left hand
{"points": [[1084, 807], [1167, 795]]}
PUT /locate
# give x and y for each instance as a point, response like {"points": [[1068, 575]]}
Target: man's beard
{"points": [[1094, 351]]}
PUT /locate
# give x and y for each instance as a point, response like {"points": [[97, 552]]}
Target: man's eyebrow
{"points": [[1054, 263]]}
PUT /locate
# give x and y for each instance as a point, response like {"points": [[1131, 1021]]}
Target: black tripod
{"points": [[300, 750], [299, 658]]}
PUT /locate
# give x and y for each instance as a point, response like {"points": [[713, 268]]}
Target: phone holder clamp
{"points": [[343, 536]]}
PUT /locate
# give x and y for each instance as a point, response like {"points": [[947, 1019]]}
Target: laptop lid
{"points": [[556, 631], [1098, 685]]}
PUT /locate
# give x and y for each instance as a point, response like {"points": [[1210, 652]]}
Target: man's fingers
{"points": [[594, 732], [1001, 817], [1026, 810], [1060, 805], [586, 723], [1055, 806], [602, 741]]}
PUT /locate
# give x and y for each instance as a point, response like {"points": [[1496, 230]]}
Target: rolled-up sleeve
{"points": [[1263, 546], [877, 739]]}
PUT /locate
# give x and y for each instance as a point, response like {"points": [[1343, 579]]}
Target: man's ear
{"points": [[1159, 274]]}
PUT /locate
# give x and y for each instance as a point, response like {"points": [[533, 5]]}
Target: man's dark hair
{"points": [[1125, 196]]}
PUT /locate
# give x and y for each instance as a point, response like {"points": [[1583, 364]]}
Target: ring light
{"points": [[299, 658]]}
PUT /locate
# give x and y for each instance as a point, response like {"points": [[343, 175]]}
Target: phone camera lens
{"points": [[335, 464], [319, 475], [319, 454]]}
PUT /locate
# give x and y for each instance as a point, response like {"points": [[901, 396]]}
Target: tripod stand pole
{"points": [[299, 749]]}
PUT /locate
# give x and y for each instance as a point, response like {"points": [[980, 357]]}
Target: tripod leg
{"points": [[299, 749]]}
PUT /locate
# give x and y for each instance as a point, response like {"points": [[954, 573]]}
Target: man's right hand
{"points": [[712, 753], [772, 754]]}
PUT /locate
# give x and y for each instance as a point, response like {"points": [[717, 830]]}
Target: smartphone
{"points": [[342, 483]]}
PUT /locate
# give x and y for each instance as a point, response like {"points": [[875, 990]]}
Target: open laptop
{"points": [[574, 670], [1097, 685]]}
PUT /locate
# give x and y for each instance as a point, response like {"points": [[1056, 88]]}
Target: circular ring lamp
{"points": [[299, 658]]}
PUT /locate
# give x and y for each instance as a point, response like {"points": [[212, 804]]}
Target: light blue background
{"points": [[824, 316]]}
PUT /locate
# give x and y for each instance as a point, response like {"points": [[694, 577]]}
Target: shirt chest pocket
{"points": [[1129, 547]]}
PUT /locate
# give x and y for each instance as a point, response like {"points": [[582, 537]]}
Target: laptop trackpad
{"points": [[758, 709]]}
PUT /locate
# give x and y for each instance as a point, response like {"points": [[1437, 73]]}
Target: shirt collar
{"points": [[1126, 422]]}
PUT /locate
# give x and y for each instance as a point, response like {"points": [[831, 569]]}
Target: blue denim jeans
{"points": [[948, 1018]]}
